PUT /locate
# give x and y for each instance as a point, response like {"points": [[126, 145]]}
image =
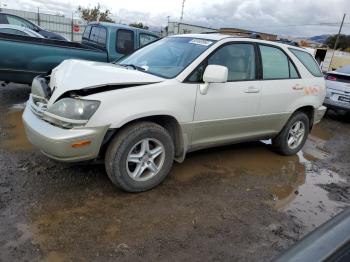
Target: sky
{"points": [[284, 17]]}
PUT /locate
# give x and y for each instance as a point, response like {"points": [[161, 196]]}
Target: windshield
{"points": [[344, 70], [167, 57]]}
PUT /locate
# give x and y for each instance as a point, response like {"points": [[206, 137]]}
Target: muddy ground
{"points": [[234, 203]]}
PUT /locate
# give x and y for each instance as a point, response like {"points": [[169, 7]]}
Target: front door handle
{"points": [[252, 89]]}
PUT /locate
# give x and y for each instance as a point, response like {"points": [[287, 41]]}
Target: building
{"points": [[247, 33], [175, 28], [72, 29]]}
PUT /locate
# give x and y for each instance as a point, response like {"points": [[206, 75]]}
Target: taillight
{"points": [[331, 78]]}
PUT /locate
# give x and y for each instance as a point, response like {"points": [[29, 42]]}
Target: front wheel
{"points": [[139, 157], [293, 136]]}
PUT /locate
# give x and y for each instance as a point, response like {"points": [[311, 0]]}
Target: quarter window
{"points": [[125, 41], [238, 58], [308, 61], [274, 62], [146, 39]]}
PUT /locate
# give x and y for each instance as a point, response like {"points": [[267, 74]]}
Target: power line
{"points": [[317, 24]]}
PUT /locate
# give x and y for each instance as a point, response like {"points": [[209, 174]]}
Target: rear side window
{"points": [[87, 31], [98, 35], [94, 34], [274, 62], [102, 36], [146, 39], [308, 61], [3, 19], [125, 41]]}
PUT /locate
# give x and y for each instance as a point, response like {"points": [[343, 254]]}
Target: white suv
{"points": [[179, 94]]}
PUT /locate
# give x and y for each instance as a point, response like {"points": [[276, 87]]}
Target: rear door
{"points": [[228, 112], [281, 85]]}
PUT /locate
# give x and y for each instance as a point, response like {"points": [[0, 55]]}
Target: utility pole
{"points": [[336, 41], [182, 10], [167, 30], [72, 26], [38, 17]]}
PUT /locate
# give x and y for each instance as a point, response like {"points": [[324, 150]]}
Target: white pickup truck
{"points": [[179, 94]]}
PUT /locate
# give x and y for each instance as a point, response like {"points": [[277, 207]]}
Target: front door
{"points": [[228, 112]]}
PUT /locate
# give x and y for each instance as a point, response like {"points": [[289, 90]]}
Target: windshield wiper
{"points": [[133, 66]]}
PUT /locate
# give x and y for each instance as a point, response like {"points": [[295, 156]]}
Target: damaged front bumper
{"points": [[68, 145]]}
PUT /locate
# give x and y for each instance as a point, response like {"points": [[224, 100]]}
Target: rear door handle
{"points": [[252, 89]]}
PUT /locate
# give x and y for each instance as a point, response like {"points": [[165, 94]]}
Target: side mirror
{"points": [[213, 74]]}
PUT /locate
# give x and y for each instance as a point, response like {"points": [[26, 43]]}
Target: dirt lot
{"points": [[240, 202]]}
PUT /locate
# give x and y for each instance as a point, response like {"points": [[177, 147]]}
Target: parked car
{"points": [[20, 21], [18, 30], [179, 94], [103, 42], [338, 89]]}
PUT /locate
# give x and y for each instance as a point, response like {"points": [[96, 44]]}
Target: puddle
{"points": [[242, 159], [16, 139], [308, 202], [294, 181]]}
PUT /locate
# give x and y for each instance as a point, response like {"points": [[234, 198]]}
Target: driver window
{"points": [[238, 58]]}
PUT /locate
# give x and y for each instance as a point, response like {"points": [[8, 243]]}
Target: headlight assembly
{"points": [[76, 109], [71, 112]]}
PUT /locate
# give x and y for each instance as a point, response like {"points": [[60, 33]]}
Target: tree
{"points": [[344, 41], [95, 14], [139, 25]]}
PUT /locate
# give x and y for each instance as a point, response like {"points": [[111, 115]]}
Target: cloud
{"points": [[273, 16]]}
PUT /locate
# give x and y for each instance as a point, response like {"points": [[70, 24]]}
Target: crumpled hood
{"points": [[81, 74]]}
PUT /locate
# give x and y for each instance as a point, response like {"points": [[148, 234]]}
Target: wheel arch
{"points": [[170, 123], [309, 110]]}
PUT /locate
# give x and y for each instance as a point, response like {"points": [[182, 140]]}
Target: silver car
{"points": [[338, 89], [18, 30]]}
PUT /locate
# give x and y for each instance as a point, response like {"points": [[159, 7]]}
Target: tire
{"points": [[132, 165], [280, 142]]}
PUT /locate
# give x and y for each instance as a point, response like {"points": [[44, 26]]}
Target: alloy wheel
{"points": [[145, 159]]}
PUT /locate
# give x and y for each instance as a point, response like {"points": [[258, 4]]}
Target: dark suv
{"points": [[16, 20]]}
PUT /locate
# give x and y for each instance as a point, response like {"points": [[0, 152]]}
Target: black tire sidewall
{"points": [[121, 152], [280, 141]]}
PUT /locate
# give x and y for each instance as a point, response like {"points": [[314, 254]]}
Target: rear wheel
{"points": [[293, 136], [139, 157]]}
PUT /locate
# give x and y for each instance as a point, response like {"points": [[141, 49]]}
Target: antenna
{"points": [[182, 10]]}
